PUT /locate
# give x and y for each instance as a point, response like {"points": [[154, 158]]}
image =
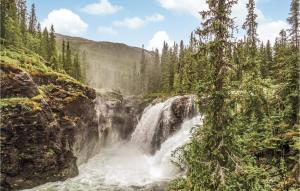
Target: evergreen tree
{"points": [[22, 15], [52, 51], [294, 20], [77, 68], [165, 57], [142, 70], [218, 156], [250, 25], [32, 20], [45, 44], [10, 28], [68, 65], [63, 54]]}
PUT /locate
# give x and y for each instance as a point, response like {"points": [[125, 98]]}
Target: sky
{"points": [[148, 22]]}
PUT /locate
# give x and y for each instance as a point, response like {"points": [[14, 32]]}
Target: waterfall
{"points": [[160, 120], [127, 164]]}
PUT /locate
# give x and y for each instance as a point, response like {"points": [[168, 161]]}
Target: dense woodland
{"points": [[249, 94], [20, 28], [248, 90]]}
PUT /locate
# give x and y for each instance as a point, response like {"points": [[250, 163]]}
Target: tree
{"points": [[77, 68], [165, 57], [293, 20], [45, 44], [63, 54], [22, 15], [250, 25], [68, 65], [52, 51], [142, 70], [10, 28], [217, 153], [32, 20]]}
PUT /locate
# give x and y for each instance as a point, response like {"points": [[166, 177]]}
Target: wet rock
{"points": [[118, 115], [48, 123]]}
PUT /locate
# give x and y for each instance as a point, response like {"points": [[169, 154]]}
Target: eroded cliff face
{"points": [[47, 122], [118, 115], [110, 65]]}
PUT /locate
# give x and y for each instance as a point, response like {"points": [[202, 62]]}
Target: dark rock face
{"points": [[16, 83], [118, 115], [170, 121], [48, 126]]}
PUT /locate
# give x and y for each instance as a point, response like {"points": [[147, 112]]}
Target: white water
{"points": [[124, 165], [152, 115]]}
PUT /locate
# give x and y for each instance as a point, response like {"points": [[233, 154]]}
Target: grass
{"points": [[25, 103]]}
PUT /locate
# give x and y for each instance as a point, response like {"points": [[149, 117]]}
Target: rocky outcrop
{"points": [[48, 124], [118, 115]]}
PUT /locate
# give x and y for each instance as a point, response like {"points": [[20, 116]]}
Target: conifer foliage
{"points": [[20, 28]]}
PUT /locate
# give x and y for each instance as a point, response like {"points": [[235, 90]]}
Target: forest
{"points": [[247, 90]]}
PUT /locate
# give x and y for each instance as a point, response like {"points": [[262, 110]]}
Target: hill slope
{"points": [[115, 66]]}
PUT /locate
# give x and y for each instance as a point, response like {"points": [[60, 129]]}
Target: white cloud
{"points": [[132, 23], [270, 30], [65, 22], [103, 7], [158, 39], [106, 30], [137, 22], [267, 28], [155, 18], [185, 6], [239, 12]]}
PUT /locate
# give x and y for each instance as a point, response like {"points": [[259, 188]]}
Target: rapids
{"points": [[125, 166]]}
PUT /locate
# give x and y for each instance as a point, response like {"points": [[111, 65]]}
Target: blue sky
{"points": [[148, 22]]}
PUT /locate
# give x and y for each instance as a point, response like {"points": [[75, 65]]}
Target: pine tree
{"points": [[45, 45], [218, 152], [10, 28], [32, 20], [165, 57], [77, 68], [63, 54], [52, 49], [293, 20], [250, 25], [68, 65], [22, 15], [142, 71]]}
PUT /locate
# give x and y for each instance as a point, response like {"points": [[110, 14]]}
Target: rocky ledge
{"points": [[48, 122]]}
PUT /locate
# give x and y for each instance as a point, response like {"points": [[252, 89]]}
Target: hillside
{"points": [[47, 121], [114, 65]]}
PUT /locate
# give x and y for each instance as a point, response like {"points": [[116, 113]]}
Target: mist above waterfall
{"points": [[127, 164]]}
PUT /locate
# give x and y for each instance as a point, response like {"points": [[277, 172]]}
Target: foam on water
{"points": [[124, 164]]}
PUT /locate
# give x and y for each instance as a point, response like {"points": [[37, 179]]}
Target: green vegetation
{"points": [[249, 94], [21, 29]]}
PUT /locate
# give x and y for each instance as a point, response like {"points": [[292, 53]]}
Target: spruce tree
{"points": [[142, 71], [45, 45], [52, 51], [63, 54], [68, 65], [22, 14], [250, 25], [218, 152], [77, 68], [294, 20], [10, 28], [32, 20]]}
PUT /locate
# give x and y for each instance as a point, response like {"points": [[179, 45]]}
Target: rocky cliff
{"points": [[118, 115], [115, 65], [47, 122]]}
